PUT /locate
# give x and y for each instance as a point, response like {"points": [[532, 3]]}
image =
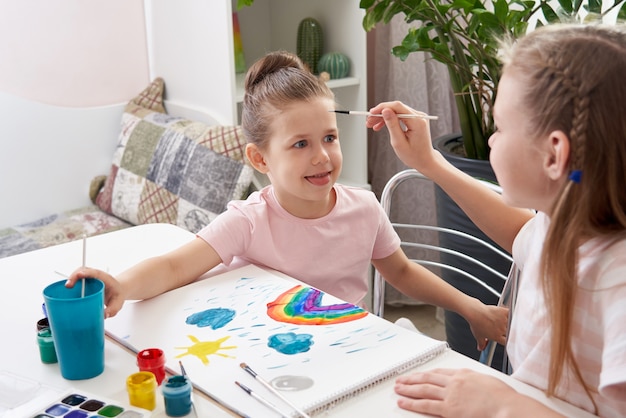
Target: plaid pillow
{"points": [[172, 170]]}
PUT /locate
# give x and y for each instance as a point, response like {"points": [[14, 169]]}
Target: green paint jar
{"points": [[46, 346], [337, 65], [310, 43]]}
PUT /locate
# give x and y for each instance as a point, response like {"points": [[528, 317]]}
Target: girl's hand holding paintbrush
{"points": [[152, 276], [410, 137], [113, 298], [113, 291]]}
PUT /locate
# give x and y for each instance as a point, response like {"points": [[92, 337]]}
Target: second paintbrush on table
{"points": [[271, 389]]}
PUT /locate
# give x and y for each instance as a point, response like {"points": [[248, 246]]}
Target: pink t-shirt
{"points": [[332, 253], [599, 329]]}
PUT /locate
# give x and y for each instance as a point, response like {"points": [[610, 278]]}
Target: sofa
{"points": [[164, 169]]}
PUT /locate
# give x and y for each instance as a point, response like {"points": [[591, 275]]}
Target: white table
{"points": [[23, 278]]}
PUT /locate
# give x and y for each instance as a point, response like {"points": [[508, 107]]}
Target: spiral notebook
{"points": [[315, 349]]}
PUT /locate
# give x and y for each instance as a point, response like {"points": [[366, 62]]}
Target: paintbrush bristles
{"points": [[399, 115], [248, 369]]}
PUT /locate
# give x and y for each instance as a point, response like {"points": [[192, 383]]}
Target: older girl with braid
{"points": [[559, 148]]}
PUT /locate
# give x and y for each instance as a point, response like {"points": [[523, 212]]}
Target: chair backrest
{"points": [[426, 257], [422, 245]]}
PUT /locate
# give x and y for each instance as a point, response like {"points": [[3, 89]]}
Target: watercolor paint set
{"points": [[78, 404], [21, 397]]}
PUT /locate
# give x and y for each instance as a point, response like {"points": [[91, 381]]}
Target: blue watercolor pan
{"points": [[78, 404]]}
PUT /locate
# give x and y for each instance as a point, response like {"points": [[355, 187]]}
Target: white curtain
{"points": [[424, 85]]}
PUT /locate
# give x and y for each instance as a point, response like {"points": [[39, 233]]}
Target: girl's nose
{"points": [[320, 156]]}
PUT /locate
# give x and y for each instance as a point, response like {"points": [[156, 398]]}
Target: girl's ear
{"points": [[256, 158], [557, 160]]}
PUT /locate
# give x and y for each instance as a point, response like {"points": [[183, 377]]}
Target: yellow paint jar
{"points": [[141, 387]]}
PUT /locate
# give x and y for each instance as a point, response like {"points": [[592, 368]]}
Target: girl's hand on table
{"points": [[464, 393]]}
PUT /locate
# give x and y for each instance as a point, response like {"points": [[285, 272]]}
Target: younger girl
{"points": [[303, 224], [559, 148]]}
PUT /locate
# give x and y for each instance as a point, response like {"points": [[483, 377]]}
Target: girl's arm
{"points": [[486, 322], [153, 276], [412, 143]]}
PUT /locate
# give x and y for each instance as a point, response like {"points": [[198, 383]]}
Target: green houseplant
{"points": [[462, 34]]}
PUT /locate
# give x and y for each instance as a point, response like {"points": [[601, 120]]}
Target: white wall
{"points": [[67, 69], [73, 52]]}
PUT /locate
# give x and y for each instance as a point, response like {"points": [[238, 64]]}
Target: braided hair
{"points": [[573, 78]]}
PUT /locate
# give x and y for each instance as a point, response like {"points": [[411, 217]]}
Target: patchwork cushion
{"points": [[172, 170], [57, 229]]}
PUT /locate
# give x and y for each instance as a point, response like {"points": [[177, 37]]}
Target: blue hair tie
{"points": [[575, 176]]}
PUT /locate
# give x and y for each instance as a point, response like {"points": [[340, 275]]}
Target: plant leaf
{"points": [[400, 52], [567, 6], [621, 15], [501, 10], [549, 13], [595, 6], [243, 3], [373, 16]]}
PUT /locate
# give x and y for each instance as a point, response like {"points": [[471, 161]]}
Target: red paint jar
{"points": [[152, 360]]}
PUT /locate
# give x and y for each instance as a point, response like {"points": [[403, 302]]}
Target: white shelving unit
{"points": [[270, 25], [194, 46]]}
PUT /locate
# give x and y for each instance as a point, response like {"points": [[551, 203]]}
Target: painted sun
{"points": [[203, 349]]}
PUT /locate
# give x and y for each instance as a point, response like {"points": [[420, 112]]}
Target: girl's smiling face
{"points": [[303, 158]]}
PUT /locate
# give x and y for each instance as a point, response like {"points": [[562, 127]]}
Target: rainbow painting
{"points": [[302, 305]]}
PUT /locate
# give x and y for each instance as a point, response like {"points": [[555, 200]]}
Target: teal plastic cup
{"points": [[77, 325]]}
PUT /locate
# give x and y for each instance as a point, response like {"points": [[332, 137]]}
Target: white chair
{"points": [[428, 255]]}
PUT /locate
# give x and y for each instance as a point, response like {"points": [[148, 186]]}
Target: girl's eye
{"points": [[300, 144], [329, 138]]}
